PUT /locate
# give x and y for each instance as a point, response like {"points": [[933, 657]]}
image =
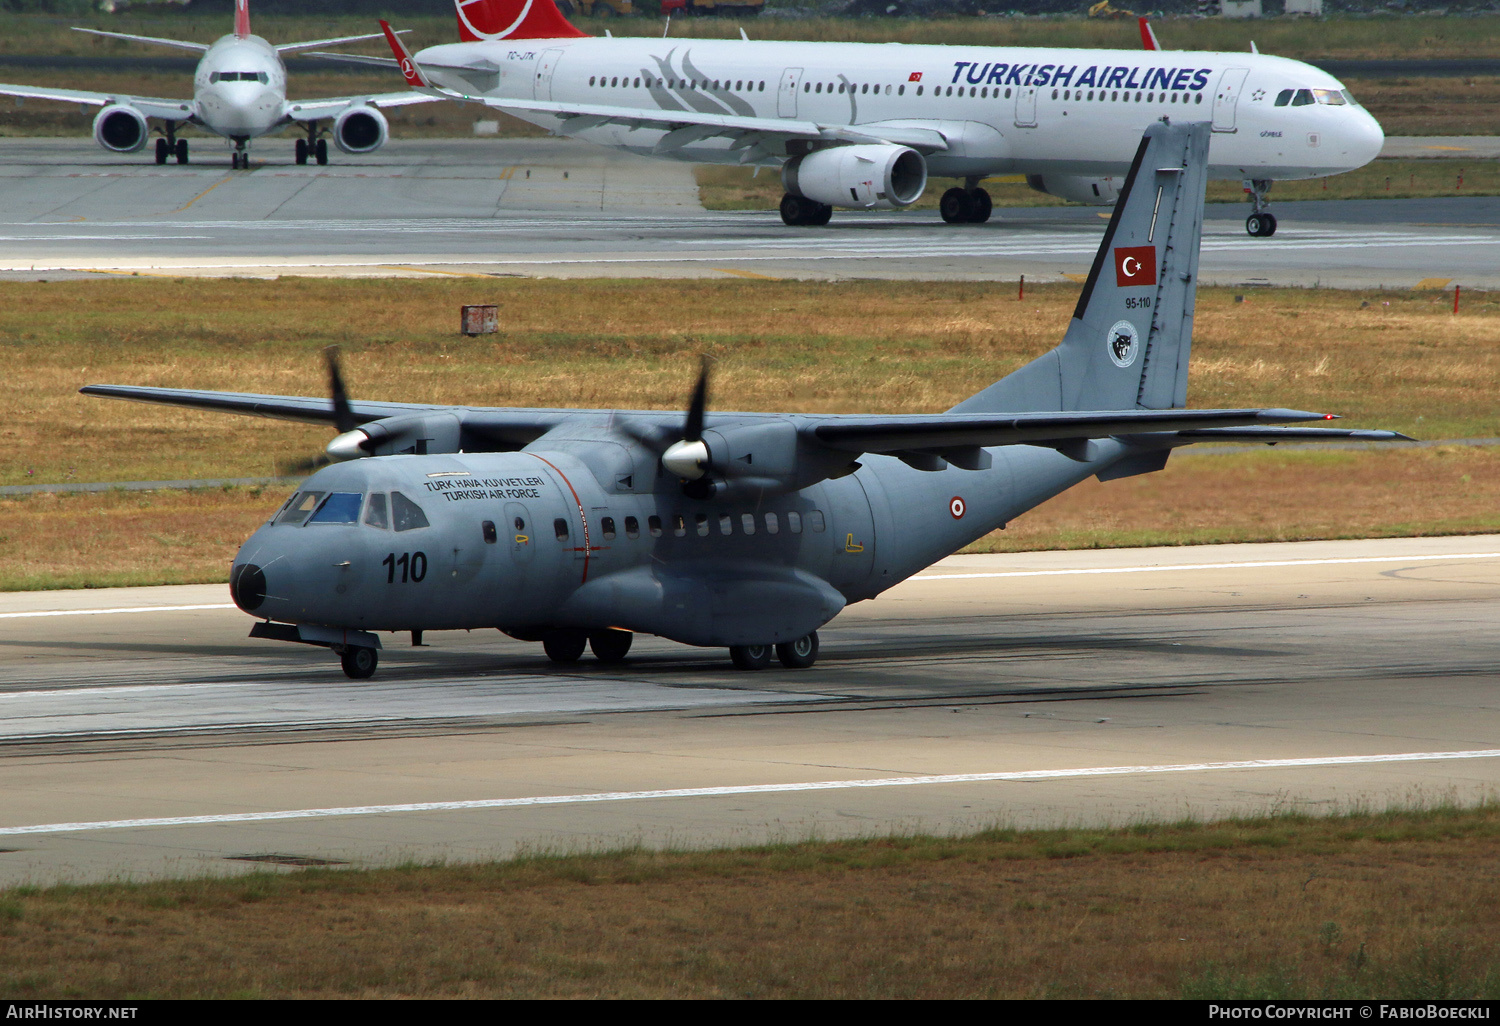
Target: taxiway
{"points": [[142, 734]]}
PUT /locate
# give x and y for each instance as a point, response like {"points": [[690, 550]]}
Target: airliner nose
{"points": [[1363, 137]]}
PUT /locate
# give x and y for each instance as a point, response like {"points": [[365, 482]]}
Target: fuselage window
{"points": [[633, 527], [738, 85], [1007, 94], [900, 90], [302, 505], [375, 511], [747, 522], [591, 80], [339, 508], [607, 524], [820, 87], [560, 528], [520, 525], [726, 524], [887, 90], [701, 522], [807, 87], [1198, 98], [762, 87], [637, 83], [407, 515], [794, 522], [490, 534], [1091, 93], [815, 521], [771, 525], [679, 525], [654, 525], [919, 90], [841, 89], [614, 81]]}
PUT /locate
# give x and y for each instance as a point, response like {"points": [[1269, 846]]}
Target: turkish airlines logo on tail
{"points": [[1135, 265]]}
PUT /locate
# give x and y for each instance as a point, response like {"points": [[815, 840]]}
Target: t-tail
{"points": [[242, 19], [1128, 344], [481, 20]]}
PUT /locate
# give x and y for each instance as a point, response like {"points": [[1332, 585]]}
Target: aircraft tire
{"points": [[359, 662], [793, 212], [956, 206], [799, 654], [301, 151], [321, 151], [983, 205], [822, 214], [750, 657], [610, 646], [1261, 226], [565, 646], [182, 154], [161, 151]]}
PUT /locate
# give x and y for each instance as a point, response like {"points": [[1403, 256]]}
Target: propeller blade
{"points": [[693, 430], [306, 466], [343, 417], [652, 438]]}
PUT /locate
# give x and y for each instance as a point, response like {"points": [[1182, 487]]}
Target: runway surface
{"points": [[559, 208], [142, 734]]}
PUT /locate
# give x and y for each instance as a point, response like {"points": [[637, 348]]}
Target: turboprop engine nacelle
{"points": [[1095, 191], [421, 434], [120, 128], [737, 460], [858, 176], [360, 130]]}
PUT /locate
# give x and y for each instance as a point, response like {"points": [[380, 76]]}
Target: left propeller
{"points": [[348, 443]]}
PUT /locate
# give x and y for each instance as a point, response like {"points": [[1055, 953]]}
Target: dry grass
{"points": [[847, 347], [1400, 905]]}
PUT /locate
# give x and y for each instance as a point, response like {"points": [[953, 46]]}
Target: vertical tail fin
{"points": [[1128, 344], [242, 19], [480, 20]]}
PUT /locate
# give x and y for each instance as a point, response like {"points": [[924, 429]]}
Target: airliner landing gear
{"points": [[182, 157], [240, 158], [1260, 224], [301, 151], [161, 151], [312, 146], [971, 205], [321, 151], [169, 145], [797, 212]]}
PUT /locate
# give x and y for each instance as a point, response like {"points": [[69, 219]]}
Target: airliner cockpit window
{"points": [[407, 514], [1329, 96], [1303, 98], [1284, 97]]}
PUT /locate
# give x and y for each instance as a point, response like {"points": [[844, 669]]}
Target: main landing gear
{"points": [[970, 205], [799, 212], [312, 146], [1260, 224], [359, 662], [794, 655], [566, 646], [170, 146]]}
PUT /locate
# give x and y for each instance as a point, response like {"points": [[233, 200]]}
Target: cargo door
{"points": [[1227, 96]]}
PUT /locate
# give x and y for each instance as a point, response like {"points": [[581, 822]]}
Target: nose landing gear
{"points": [[240, 158], [1260, 224]]}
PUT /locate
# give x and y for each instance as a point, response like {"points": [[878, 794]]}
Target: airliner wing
{"points": [[178, 43], [151, 107], [294, 47], [580, 116], [357, 58], [313, 110]]}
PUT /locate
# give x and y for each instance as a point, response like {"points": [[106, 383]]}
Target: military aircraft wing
{"points": [[307, 409], [893, 434], [1272, 435]]}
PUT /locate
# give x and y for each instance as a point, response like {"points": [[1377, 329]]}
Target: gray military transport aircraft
{"points": [[577, 528]]}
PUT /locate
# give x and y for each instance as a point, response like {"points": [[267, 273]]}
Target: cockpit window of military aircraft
{"points": [[407, 514], [339, 508], [375, 512], [301, 504]]}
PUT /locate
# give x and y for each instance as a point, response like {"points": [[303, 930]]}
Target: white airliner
{"points": [[239, 92], [864, 125]]}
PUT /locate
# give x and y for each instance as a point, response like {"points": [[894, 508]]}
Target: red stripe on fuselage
{"points": [[583, 516]]}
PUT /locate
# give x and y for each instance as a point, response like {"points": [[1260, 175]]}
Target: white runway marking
{"points": [[1208, 566], [124, 609], [712, 792]]}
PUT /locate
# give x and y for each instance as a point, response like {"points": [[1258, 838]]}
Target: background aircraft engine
{"points": [[360, 130], [858, 176], [1096, 191], [120, 128]]}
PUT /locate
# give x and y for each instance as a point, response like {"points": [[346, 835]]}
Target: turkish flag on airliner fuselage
{"points": [[1135, 265]]}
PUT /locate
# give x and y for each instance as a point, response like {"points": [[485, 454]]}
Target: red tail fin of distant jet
{"points": [[409, 67], [1148, 36], [480, 20], [241, 19]]}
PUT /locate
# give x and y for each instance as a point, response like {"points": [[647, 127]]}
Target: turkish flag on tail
{"points": [[1135, 265]]}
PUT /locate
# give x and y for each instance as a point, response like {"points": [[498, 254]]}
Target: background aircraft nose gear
{"points": [[1260, 224], [965, 206]]}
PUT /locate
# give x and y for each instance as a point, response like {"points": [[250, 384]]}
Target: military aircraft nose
{"points": [[247, 586]]}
